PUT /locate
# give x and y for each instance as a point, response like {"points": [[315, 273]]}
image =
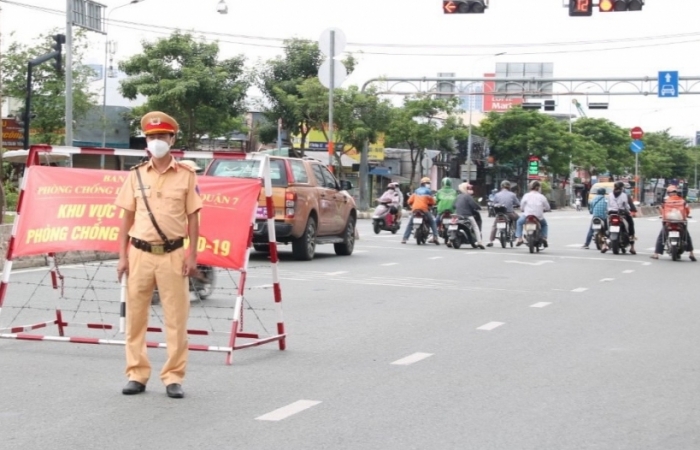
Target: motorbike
{"points": [[533, 233], [421, 227], [618, 236], [504, 226], [443, 223], [490, 206], [599, 230], [676, 240], [460, 231], [386, 218], [201, 284]]}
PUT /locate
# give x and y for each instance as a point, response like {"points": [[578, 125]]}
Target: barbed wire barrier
{"points": [[78, 289]]}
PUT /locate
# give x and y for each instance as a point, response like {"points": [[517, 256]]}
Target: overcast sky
{"points": [[414, 38]]}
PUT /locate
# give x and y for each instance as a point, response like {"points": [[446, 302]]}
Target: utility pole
{"points": [[69, 74], [2, 150]]}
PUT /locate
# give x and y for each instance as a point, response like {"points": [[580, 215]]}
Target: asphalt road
{"points": [[399, 347]]}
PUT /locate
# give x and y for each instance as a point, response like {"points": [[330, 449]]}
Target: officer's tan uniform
{"points": [[172, 196]]}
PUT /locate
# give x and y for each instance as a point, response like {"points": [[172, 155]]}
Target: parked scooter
{"points": [[460, 231], [386, 217], [202, 284], [533, 233], [578, 203], [618, 236]]}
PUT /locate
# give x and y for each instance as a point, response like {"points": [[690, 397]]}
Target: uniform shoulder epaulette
{"points": [[139, 165], [186, 166]]}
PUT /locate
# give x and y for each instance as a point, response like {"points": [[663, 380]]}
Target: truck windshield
{"points": [[241, 168]]}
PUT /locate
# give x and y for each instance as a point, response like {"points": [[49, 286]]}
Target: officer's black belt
{"points": [[158, 249]]}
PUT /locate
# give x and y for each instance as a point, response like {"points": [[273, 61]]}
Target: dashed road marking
{"points": [[390, 264], [336, 273], [289, 410], [436, 257], [646, 264], [538, 263], [607, 280], [581, 289], [628, 271], [410, 359], [575, 245], [540, 305], [490, 326]]}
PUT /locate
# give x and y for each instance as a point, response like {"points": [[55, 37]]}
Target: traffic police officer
{"points": [[161, 201]]}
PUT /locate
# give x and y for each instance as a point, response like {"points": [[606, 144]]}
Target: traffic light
{"points": [[57, 47], [580, 8], [620, 5], [464, 6]]}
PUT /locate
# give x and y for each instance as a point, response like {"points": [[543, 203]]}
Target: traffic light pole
{"points": [[69, 74], [28, 99]]}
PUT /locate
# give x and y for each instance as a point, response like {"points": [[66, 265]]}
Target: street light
{"points": [[104, 75], [222, 8], [471, 108]]}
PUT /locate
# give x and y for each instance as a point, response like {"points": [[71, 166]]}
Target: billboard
{"points": [[317, 140], [497, 103], [12, 135]]}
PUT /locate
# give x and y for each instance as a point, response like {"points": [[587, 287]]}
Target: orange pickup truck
{"points": [[311, 206]]}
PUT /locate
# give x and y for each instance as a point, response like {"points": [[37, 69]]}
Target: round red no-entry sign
{"points": [[636, 133]]}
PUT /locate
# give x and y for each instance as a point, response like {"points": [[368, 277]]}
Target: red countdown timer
{"points": [[580, 8]]}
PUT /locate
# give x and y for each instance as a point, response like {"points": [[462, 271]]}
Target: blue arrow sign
{"points": [[637, 146], [668, 84]]}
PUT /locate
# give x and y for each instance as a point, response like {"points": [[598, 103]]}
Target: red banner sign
{"points": [[66, 209], [12, 135]]}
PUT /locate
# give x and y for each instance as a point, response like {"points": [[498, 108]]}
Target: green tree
{"points": [[281, 81], [48, 87], [418, 124], [518, 133], [666, 156], [183, 76], [359, 117], [604, 147]]}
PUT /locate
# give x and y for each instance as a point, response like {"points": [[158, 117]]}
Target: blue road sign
{"points": [[668, 84], [637, 146]]}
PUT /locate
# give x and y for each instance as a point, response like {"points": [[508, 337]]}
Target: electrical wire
{"points": [[154, 29]]}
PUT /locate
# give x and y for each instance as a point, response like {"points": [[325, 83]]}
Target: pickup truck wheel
{"points": [[304, 248], [346, 247]]}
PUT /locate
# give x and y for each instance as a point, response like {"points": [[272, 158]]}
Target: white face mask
{"points": [[158, 148]]}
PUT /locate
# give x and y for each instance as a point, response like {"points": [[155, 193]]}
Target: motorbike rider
{"points": [[676, 204], [466, 206], [422, 200], [618, 202], [392, 199], [533, 204], [446, 197], [599, 208], [510, 201]]}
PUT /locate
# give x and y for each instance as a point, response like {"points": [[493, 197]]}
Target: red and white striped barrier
{"points": [[20, 332]]}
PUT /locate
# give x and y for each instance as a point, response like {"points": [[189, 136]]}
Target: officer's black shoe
{"points": [[133, 388], [174, 391]]}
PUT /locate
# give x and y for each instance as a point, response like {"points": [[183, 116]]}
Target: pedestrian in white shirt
{"points": [[533, 204]]}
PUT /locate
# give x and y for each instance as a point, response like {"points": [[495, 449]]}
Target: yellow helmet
{"points": [[424, 180]]}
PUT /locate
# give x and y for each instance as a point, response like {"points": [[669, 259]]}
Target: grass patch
{"points": [[8, 219]]}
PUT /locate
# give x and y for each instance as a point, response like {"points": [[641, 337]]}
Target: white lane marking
{"points": [[336, 273], [628, 271], [605, 280], [575, 245], [289, 410], [579, 290], [650, 249], [360, 251], [540, 305], [646, 264], [390, 264], [490, 326], [410, 359], [538, 263], [436, 257]]}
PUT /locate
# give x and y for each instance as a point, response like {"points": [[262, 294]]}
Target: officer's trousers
{"points": [[145, 271]]}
